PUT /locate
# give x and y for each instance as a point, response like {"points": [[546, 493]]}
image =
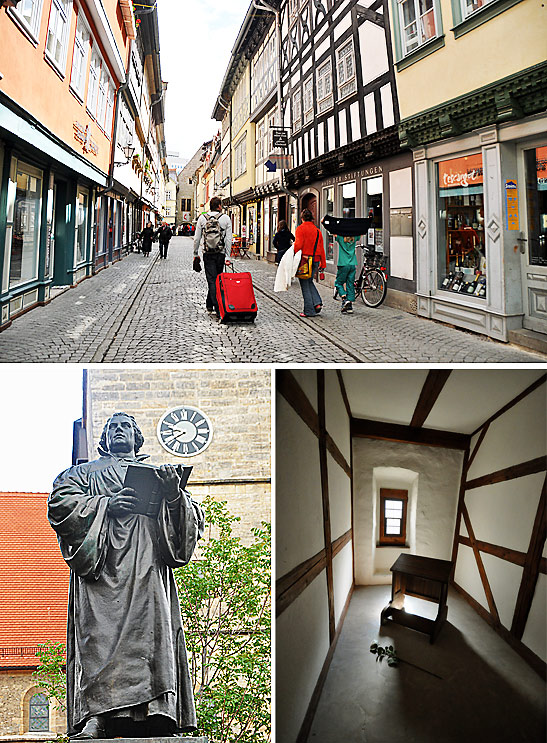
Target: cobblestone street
{"points": [[152, 311]]}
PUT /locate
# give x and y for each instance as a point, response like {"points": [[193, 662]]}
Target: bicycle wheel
{"points": [[374, 289]]}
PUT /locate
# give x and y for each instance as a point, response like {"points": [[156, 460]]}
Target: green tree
{"points": [[225, 603], [51, 671]]}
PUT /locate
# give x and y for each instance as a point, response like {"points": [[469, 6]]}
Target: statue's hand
{"points": [[169, 481], [123, 502]]}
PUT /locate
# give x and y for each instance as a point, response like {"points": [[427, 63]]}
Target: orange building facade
{"points": [[65, 68]]}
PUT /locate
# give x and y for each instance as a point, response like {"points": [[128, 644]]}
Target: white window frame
{"points": [[81, 55], [59, 14], [240, 156], [419, 41], [346, 78], [307, 93], [110, 98], [93, 84], [325, 97], [31, 27], [297, 109], [476, 5]]}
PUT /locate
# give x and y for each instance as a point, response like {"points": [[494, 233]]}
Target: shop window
{"points": [[57, 33], [328, 208], [28, 15], [536, 198], [325, 98], [393, 508], [24, 221], [38, 713], [80, 237], [345, 66], [372, 194], [79, 57], [417, 23], [462, 245], [297, 110], [348, 193], [308, 100]]}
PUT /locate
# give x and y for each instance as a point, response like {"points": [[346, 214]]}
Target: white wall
{"points": [[503, 514], [438, 473]]}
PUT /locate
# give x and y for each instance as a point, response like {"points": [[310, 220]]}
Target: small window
{"points": [[28, 14], [393, 516], [324, 87], [345, 64], [57, 33], [79, 57], [471, 6], [308, 101], [38, 713], [297, 110], [418, 23]]}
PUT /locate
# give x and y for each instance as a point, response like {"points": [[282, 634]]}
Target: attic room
{"points": [[411, 585]]}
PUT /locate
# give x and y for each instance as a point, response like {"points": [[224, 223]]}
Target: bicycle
{"points": [[371, 283]]}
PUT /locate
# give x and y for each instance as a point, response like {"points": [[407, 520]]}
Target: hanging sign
{"points": [[512, 204], [280, 138]]}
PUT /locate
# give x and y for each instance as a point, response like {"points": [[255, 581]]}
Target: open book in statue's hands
{"points": [[147, 486]]}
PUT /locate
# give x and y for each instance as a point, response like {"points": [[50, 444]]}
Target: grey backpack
{"points": [[213, 238]]}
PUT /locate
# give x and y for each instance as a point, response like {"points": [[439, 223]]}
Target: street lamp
{"points": [[128, 151]]}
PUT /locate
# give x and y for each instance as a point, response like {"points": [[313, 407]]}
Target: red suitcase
{"points": [[236, 297]]}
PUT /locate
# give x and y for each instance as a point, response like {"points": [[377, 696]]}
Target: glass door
{"points": [[533, 238]]}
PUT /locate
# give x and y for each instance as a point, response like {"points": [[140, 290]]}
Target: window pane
{"points": [[26, 224], [393, 513], [393, 526], [395, 504]]}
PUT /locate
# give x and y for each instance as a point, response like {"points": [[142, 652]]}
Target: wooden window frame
{"points": [[390, 539]]}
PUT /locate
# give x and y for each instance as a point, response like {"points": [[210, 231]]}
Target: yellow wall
{"points": [[512, 41], [247, 179]]}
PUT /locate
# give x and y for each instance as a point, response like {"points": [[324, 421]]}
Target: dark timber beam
{"points": [[325, 497], [480, 565], [363, 428], [291, 585], [433, 385], [514, 401], [344, 393], [504, 553], [461, 496], [531, 467], [531, 568]]}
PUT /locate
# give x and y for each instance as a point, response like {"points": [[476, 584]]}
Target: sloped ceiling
{"points": [[468, 398]]}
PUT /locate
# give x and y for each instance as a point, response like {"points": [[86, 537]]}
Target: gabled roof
{"points": [[33, 580]]}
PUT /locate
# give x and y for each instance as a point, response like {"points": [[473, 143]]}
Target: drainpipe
{"points": [[120, 90]]}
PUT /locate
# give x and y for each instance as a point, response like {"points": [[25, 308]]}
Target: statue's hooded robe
{"points": [[126, 653]]}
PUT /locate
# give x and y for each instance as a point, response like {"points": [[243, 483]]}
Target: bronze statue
{"points": [[127, 669]]}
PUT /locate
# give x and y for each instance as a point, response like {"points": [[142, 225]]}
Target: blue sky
{"points": [[39, 403], [196, 38]]}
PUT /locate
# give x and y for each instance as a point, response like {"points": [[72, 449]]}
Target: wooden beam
{"points": [[305, 728], [504, 553], [433, 385], [530, 657], [480, 565], [509, 473], [339, 544], [323, 464], [291, 585], [343, 391], [361, 427], [288, 387], [513, 402], [461, 496], [531, 567], [337, 455], [477, 446]]}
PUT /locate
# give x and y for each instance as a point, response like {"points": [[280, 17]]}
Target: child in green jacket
{"points": [[344, 286]]}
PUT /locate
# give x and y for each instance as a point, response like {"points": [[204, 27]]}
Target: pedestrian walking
{"points": [[164, 234], [309, 240], [344, 285], [214, 230], [147, 236], [282, 240]]}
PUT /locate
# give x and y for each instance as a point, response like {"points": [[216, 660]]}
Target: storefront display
{"points": [[24, 213], [536, 193], [462, 251]]}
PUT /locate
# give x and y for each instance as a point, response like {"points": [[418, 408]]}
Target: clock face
{"points": [[184, 431]]}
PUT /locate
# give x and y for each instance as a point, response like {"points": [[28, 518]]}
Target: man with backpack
{"points": [[216, 230]]}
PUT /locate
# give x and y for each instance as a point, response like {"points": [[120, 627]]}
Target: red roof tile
{"points": [[33, 579]]}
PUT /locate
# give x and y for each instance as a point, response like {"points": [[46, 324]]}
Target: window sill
{"points": [[482, 16], [422, 51], [54, 66], [391, 544]]}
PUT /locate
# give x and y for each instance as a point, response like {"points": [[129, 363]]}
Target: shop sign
{"points": [[81, 133], [354, 175], [541, 167], [280, 138], [512, 205], [461, 172]]}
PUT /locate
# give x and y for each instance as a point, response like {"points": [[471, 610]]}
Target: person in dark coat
{"points": [[147, 235], [164, 234], [282, 240]]}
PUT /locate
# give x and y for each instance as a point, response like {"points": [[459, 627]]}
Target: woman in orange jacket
{"points": [[309, 240]]}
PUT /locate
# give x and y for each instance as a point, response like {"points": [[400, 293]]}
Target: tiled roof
{"points": [[33, 579]]}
